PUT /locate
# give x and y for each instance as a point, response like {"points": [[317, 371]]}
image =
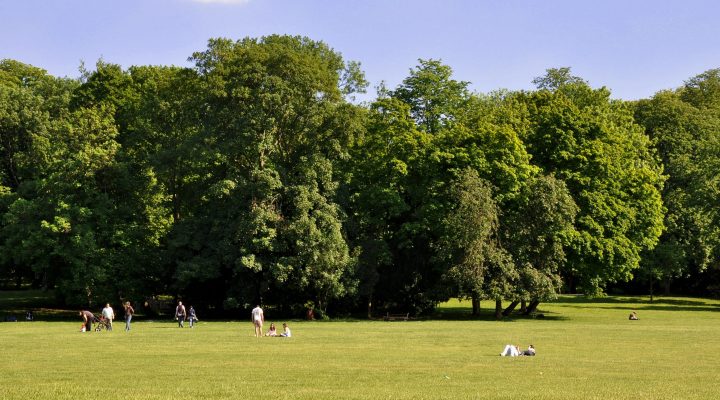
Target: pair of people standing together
{"points": [[181, 315]]}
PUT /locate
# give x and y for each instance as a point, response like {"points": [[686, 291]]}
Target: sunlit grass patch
{"points": [[590, 351]]}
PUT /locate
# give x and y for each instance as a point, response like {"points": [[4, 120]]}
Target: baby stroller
{"points": [[101, 323]]}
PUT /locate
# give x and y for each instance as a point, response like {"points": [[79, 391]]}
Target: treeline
{"points": [[254, 176]]}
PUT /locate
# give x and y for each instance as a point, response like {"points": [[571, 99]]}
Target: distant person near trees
{"points": [[258, 317], [192, 317], [129, 312], [88, 318], [109, 315], [180, 314]]}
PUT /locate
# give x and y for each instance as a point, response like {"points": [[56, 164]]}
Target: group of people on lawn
{"points": [[258, 318], [514, 351], [108, 316], [181, 315]]}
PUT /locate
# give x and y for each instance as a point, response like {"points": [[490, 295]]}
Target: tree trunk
{"points": [[523, 306], [510, 308], [369, 305], [667, 286], [652, 284], [532, 307], [475, 305], [498, 310]]}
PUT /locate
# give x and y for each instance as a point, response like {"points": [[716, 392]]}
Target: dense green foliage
{"points": [[255, 177]]}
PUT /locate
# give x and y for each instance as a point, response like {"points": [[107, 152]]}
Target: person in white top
{"points": [[109, 315], [257, 318], [286, 331]]}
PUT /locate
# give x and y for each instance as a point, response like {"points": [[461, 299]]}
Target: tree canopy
{"points": [[256, 176]]}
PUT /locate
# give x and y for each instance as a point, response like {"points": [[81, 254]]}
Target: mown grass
{"points": [[587, 349]]}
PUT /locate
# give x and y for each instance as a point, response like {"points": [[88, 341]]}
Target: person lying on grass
{"points": [[514, 351]]}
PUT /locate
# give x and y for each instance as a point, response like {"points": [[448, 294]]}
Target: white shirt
{"points": [[257, 314], [108, 313]]}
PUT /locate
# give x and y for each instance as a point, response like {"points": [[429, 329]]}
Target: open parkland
{"points": [[586, 349]]}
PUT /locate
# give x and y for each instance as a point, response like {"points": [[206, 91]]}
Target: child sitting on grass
{"points": [[271, 331], [286, 331]]}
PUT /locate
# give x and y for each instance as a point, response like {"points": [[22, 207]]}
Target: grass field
{"points": [[587, 349]]}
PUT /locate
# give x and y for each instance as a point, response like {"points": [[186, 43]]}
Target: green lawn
{"points": [[586, 350]]}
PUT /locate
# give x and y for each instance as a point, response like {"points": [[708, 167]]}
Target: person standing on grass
{"points": [[88, 318], [258, 318], [180, 314], [129, 311], [109, 315], [192, 317]]}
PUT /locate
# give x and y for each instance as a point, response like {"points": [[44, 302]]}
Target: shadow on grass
{"points": [[640, 303], [580, 299], [464, 314]]}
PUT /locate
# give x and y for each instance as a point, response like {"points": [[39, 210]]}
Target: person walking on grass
{"points": [[180, 314], [257, 317], [109, 315], [192, 317], [129, 311]]}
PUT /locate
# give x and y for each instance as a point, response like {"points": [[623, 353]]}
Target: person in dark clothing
{"points": [[530, 351], [192, 317], [180, 314], [88, 319]]}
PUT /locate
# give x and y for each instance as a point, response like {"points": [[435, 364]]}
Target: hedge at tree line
{"points": [[254, 176]]}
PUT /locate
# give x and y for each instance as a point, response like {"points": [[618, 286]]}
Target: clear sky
{"points": [[633, 47]]}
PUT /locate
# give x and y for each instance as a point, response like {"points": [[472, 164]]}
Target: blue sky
{"points": [[634, 47]]}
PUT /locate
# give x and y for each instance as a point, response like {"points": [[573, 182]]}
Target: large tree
{"points": [[275, 124], [470, 242], [58, 219], [684, 126], [592, 143], [537, 227], [419, 139]]}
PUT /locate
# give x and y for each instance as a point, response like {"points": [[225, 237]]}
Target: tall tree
{"points": [[684, 126], [592, 144], [537, 227], [405, 166], [470, 243], [433, 96], [276, 123]]}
